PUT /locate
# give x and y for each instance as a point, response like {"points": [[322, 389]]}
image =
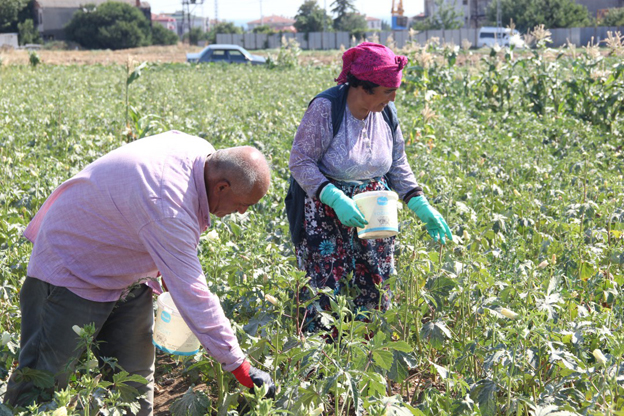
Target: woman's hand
{"points": [[436, 226], [347, 211]]}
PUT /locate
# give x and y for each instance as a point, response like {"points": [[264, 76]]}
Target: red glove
{"points": [[242, 374], [250, 376]]}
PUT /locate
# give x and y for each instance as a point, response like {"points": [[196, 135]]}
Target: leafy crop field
{"points": [[521, 315]]}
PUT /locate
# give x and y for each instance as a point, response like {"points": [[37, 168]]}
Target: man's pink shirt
{"points": [[136, 211]]}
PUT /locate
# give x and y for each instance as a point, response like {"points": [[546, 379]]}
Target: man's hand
{"points": [[250, 376]]}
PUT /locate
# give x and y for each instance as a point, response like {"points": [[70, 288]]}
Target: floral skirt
{"points": [[330, 251]]}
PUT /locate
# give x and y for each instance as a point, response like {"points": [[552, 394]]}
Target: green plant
{"points": [[163, 36], [613, 17], [222, 27], [288, 55], [33, 58], [194, 35], [111, 25], [27, 33], [503, 321], [132, 74]]}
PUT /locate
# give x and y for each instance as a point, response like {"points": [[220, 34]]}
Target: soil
{"points": [[171, 383]]}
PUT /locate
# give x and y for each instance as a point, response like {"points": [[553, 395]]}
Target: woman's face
{"points": [[379, 99]]}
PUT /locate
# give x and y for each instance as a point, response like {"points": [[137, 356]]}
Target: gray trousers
{"points": [[48, 342]]}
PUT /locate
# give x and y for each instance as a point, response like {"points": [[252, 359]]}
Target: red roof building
{"points": [[277, 23], [167, 21], [373, 23]]}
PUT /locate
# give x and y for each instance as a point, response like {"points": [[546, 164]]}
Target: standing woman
{"points": [[349, 142]]}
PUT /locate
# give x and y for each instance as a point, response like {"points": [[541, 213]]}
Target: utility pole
{"points": [[499, 23], [325, 19], [186, 15], [261, 16], [216, 10]]}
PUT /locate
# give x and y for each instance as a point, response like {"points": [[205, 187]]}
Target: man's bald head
{"points": [[245, 167]]}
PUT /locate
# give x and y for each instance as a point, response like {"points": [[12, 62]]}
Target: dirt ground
{"points": [[156, 54], [171, 383]]}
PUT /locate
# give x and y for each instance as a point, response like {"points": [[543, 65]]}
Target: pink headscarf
{"points": [[373, 62]]}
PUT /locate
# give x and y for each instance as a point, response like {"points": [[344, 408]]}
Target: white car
{"points": [[490, 36], [225, 53]]}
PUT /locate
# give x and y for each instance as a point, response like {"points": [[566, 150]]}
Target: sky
{"points": [[241, 11]]}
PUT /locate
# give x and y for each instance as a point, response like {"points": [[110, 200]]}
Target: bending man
{"points": [[132, 213]]}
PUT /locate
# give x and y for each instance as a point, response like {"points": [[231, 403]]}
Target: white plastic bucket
{"points": [[380, 210], [171, 334]]}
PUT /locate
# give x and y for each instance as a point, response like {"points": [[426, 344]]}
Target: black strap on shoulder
{"points": [[390, 115], [338, 97]]}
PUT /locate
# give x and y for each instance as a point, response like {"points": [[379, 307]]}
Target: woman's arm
{"points": [[400, 174], [312, 139]]}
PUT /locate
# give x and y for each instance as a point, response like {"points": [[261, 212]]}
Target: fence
{"points": [[579, 36]]}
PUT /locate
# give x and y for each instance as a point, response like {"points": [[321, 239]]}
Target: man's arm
{"points": [[173, 246]]}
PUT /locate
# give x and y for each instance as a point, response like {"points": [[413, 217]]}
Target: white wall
{"points": [[9, 39]]}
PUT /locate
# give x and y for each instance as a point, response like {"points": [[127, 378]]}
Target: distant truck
{"points": [[501, 36]]}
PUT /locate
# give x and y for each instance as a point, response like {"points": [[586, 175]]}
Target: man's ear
{"points": [[222, 185]]}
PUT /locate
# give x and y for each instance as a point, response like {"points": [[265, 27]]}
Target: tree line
{"points": [[114, 25], [523, 15]]}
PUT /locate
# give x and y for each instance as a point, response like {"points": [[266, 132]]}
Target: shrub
{"points": [[263, 29], [194, 36], [223, 27], [10, 11], [614, 17], [163, 36], [33, 58], [58, 45], [288, 56], [111, 25], [27, 33]]}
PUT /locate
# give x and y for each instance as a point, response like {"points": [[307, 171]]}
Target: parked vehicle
{"points": [[233, 54], [490, 36]]}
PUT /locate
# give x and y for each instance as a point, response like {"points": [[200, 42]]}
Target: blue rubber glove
{"points": [[347, 211], [433, 220]]}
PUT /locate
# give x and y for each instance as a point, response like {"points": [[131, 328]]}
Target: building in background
{"points": [[473, 12], [598, 8], [183, 25], [166, 21], [277, 23], [373, 23], [51, 16]]}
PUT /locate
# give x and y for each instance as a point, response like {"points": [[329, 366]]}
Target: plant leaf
{"points": [[484, 394], [439, 289], [192, 403], [435, 333], [40, 378], [383, 359]]}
